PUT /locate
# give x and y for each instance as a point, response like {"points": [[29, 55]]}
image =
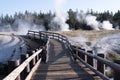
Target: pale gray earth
{"points": [[11, 47]]}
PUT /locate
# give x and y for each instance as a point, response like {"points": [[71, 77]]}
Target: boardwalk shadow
{"points": [[60, 62]]}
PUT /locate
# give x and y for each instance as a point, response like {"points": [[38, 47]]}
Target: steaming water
{"points": [[10, 48], [102, 45], [79, 41], [108, 43]]}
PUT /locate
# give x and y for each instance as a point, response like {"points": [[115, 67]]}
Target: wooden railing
{"points": [[46, 35], [94, 62], [23, 68], [20, 73], [29, 64]]}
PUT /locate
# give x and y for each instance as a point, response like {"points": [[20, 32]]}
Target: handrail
{"points": [[16, 72], [43, 34], [114, 66], [35, 35], [108, 63]]}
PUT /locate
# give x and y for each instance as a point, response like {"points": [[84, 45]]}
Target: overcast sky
{"points": [[12, 6]]}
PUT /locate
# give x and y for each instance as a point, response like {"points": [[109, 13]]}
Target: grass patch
{"points": [[91, 34], [112, 56]]}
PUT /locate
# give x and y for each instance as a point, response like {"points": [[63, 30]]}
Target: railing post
{"points": [[27, 69], [32, 62], [81, 55], [28, 34], [53, 36], [117, 73], [24, 57], [75, 53], [34, 35], [90, 59], [46, 36], [12, 64], [100, 65], [44, 55], [37, 57], [29, 52], [58, 38], [40, 35]]}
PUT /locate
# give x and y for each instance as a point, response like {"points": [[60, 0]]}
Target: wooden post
{"points": [[28, 34], [12, 64], [40, 35], [44, 55], [37, 57], [117, 73], [62, 38], [100, 65], [82, 56], [53, 36], [24, 57], [58, 38], [34, 60], [74, 53], [27, 69], [31, 63], [45, 36], [34, 35], [29, 52], [79, 54], [90, 59]]}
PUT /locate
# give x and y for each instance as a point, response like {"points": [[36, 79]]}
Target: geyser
{"points": [[91, 21], [60, 18]]}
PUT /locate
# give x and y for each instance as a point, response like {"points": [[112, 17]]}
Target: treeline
{"points": [[103, 16], [45, 19]]}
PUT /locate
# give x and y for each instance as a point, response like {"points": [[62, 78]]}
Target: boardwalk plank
{"points": [[60, 65]]}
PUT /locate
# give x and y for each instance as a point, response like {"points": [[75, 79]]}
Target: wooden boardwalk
{"points": [[60, 65]]}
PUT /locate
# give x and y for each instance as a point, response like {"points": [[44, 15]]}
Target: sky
{"points": [[12, 6]]}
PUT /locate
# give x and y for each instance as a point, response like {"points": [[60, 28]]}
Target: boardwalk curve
{"points": [[60, 65]]}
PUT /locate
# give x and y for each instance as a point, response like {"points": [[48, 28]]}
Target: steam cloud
{"points": [[91, 21], [22, 25], [107, 25], [108, 43], [60, 18]]}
